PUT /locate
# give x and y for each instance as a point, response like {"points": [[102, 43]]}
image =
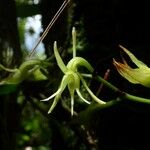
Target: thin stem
{"points": [[108, 84], [123, 94], [7, 69], [106, 75], [136, 98]]}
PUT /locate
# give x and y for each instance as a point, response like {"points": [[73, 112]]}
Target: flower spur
{"points": [[72, 77]]}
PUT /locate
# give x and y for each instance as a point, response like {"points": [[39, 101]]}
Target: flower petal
{"points": [[72, 104], [124, 71], [63, 85], [74, 41], [53, 95], [80, 95], [136, 76], [91, 93], [139, 63], [54, 103], [60, 62]]}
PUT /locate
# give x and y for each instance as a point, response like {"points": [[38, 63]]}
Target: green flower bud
{"points": [[139, 75]]}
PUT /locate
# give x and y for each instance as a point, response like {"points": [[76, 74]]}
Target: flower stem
{"points": [[108, 84], [136, 98], [123, 95]]}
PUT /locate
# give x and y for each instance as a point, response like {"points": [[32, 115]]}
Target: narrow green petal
{"points": [[91, 93], [54, 103], [53, 95], [72, 104], [80, 95], [74, 41], [86, 75], [63, 85], [139, 63], [64, 82], [60, 62]]}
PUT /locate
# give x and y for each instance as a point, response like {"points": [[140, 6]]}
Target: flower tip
{"points": [[55, 44], [114, 62], [44, 100], [120, 46], [119, 66], [124, 49], [73, 30], [49, 112]]}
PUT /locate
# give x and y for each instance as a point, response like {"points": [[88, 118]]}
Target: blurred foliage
{"points": [[35, 129]]}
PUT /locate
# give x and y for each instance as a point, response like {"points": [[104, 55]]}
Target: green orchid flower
{"points": [[72, 77], [26, 69], [139, 75]]}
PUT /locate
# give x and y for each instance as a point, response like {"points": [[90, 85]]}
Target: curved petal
{"points": [[54, 103], [139, 63], [80, 95], [53, 95], [63, 85], [60, 62], [79, 61], [91, 93], [125, 71]]}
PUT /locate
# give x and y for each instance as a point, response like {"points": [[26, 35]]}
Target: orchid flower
{"points": [[26, 69], [72, 77], [139, 75]]}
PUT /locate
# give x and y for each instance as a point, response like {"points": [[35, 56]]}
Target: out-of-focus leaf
{"points": [[7, 89]]}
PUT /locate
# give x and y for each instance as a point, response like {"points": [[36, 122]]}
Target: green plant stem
{"points": [[122, 94], [136, 98], [108, 84]]}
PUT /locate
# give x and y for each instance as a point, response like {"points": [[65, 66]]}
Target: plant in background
{"points": [[26, 69], [140, 75], [72, 77]]}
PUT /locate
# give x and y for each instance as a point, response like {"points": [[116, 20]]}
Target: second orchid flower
{"points": [[139, 75]]}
